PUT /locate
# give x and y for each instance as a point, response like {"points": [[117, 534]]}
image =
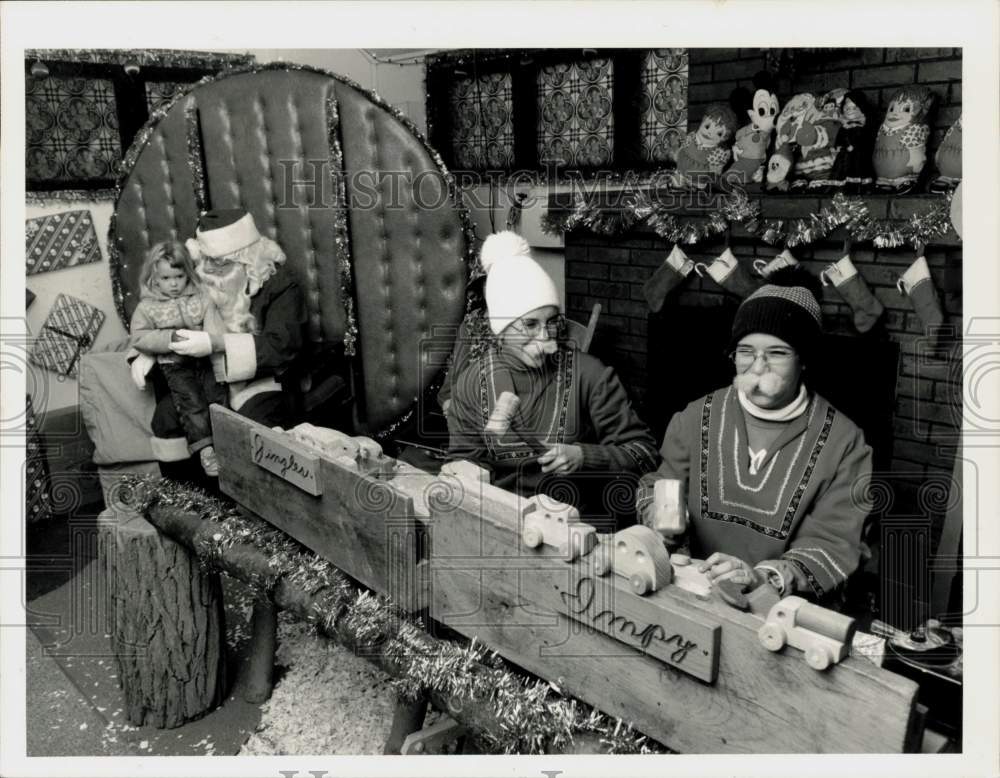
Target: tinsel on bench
{"points": [[532, 715]]}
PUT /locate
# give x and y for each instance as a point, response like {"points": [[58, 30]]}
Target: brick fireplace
{"points": [[903, 392]]}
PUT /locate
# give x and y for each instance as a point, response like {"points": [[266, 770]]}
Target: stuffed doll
{"points": [[949, 159], [901, 144], [704, 153], [817, 139], [852, 170], [753, 139], [790, 121]]}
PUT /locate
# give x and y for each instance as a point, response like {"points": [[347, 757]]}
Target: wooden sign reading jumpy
{"points": [[278, 454], [603, 604]]}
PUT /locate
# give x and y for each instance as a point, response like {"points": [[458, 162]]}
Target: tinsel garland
{"points": [[60, 196], [852, 214], [340, 234], [170, 58], [532, 716]]}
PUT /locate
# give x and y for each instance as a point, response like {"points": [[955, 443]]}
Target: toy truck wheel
{"points": [[772, 637], [640, 583], [602, 564], [818, 657], [532, 537]]}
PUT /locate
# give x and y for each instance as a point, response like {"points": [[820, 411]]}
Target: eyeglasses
{"points": [[532, 328], [776, 356]]}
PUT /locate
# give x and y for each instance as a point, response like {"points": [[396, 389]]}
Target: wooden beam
{"points": [[483, 583]]}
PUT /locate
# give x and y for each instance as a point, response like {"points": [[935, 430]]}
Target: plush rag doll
{"points": [[705, 152], [901, 144], [949, 159], [753, 139], [852, 170], [791, 119]]}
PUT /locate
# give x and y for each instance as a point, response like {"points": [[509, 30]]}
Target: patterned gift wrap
{"points": [[37, 504], [68, 334], [60, 240]]}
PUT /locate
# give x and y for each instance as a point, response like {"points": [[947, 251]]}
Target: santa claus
{"points": [[253, 332]]}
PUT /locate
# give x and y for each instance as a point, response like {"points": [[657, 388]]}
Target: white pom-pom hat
{"points": [[515, 283]]}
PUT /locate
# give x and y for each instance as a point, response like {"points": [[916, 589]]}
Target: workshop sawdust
{"points": [[328, 700]]}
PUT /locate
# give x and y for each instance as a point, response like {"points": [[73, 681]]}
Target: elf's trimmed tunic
{"points": [[572, 398], [802, 503]]}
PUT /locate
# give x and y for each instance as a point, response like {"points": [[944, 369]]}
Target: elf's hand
{"points": [[725, 567], [561, 458], [195, 343]]}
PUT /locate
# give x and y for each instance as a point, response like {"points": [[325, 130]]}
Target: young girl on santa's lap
{"points": [[172, 299]]}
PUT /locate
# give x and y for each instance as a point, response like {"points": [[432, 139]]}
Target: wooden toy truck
{"points": [[824, 635]]}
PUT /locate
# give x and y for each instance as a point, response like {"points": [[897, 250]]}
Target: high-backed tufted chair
{"points": [[365, 211]]}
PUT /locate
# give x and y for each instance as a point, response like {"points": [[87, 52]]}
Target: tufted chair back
{"points": [[365, 212]]}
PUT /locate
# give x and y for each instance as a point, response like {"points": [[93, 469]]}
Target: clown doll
{"points": [[949, 159], [818, 142], [901, 144], [753, 139], [705, 152], [791, 119], [852, 171]]}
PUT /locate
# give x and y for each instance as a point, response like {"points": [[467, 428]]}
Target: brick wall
{"points": [[612, 270], [714, 73]]}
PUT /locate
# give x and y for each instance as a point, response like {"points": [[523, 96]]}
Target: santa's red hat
{"points": [[221, 232]]}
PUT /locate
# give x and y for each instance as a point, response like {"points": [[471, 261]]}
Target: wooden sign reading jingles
{"points": [[688, 671]]}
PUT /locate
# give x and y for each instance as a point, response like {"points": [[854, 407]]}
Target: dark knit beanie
{"points": [[786, 308]]}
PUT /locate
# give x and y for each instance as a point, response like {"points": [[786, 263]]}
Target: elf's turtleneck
{"points": [[764, 425]]}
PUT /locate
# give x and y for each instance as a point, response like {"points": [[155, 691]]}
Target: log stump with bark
{"points": [[168, 625]]}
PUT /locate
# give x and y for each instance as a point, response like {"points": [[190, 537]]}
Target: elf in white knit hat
{"points": [[775, 475], [531, 407]]}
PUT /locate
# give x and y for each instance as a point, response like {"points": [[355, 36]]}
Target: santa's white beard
{"points": [[769, 384], [231, 297]]}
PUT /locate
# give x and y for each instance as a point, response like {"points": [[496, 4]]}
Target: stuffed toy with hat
{"points": [[901, 144], [704, 153], [852, 170], [819, 143], [797, 111]]}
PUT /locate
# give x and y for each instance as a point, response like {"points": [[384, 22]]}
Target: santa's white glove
{"points": [[194, 343], [141, 365]]}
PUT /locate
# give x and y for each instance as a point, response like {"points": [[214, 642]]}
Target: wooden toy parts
{"points": [[636, 554], [464, 470], [824, 635], [550, 523], [669, 514], [689, 578], [501, 422]]}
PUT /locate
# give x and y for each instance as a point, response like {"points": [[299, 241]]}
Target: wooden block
{"points": [[363, 525], [485, 584], [557, 526], [466, 471], [669, 507]]}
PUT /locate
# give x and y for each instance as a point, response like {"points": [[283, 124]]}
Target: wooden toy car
{"points": [[556, 524], [824, 635], [638, 555]]}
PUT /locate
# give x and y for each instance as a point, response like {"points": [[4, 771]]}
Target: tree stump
{"points": [[168, 624]]}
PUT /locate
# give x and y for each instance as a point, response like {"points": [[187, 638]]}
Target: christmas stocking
{"points": [[728, 273], [852, 287], [916, 284], [667, 276], [784, 259]]}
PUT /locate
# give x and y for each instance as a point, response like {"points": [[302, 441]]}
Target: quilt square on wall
{"points": [[60, 240], [68, 333]]}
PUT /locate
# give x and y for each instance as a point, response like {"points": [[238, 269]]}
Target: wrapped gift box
{"points": [[60, 240], [68, 333]]}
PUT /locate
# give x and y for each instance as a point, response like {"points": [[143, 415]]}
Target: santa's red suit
{"points": [[255, 331]]}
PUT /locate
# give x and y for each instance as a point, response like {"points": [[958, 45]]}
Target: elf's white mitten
{"points": [[140, 367], [194, 343]]}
